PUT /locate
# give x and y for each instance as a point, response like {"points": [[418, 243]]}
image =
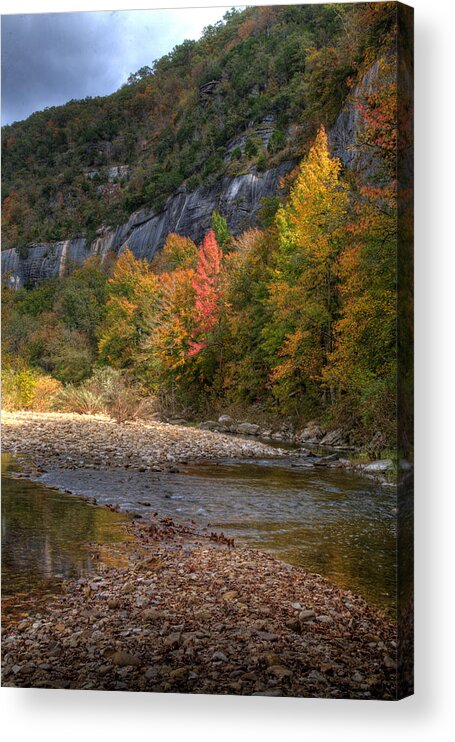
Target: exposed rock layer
{"points": [[189, 214]]}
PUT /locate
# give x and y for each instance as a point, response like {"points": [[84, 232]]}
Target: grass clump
{"points": [[108, 391]]}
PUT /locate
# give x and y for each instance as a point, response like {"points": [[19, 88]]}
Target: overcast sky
{"points": [[50, 58]]}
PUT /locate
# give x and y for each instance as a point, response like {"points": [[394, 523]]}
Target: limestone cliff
{"points": [[189, 214]]}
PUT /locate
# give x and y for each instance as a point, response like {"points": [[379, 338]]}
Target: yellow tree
{"points": [[303, 298], [133, 293], [363, 363], [167, 345]]}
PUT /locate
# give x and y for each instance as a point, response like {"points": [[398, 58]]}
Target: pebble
{"points": [[124, 659], [217, 619], [219, 657], [96, 441]]}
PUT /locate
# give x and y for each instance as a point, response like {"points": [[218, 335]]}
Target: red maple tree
{"points": [[206, 284]]}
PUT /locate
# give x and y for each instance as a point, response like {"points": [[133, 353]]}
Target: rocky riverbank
{"points": [[72, 441], [191, 612], [68, 440]]}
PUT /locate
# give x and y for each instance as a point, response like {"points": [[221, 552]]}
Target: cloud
{"points": [[50, 58]]}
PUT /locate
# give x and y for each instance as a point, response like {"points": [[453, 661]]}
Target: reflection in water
{"points": [[46, 535], [329, 521]]}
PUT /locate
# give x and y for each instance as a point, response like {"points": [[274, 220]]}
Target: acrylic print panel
{"points": [[207, 351]]}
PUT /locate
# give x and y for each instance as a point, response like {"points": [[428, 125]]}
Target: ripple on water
{"points": [[332, 522]]}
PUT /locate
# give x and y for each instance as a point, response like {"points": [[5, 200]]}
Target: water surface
{"points": [[48, 536], [329, 521]]}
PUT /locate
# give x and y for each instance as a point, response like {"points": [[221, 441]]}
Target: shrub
{"points": [[251, 147], [108, 392], [128, 406], [27, 389], [18, 388], [276, 141], [261, 164], [46, 389], [79, 399]]}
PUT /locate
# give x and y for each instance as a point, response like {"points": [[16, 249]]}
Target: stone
{"points": [[317, 676], [179, 673], [334, 438], [230, 595], [124, 659], [219, 657], [306, 615], [324, 619], [173, 640], [271, 659], [328, 459], [267, 636], [225, 420], [378, 466], [208, 425], [248, 429], [279, 671], [312, 433]]}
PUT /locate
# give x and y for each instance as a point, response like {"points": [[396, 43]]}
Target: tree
{"points": [[141, 74], [166, 347], [177, 252], [81, 301], [246, 277], [206, 284], [133, 293], [303, 297], [362, 365], [221, 230]]}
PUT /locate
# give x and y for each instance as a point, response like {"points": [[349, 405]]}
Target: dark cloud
{"points": [[50, 58]]}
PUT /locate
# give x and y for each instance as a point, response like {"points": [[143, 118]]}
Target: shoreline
{"points": [[190, 612], [73, 441], [69, 440]]}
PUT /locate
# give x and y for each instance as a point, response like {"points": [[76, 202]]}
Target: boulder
{"points": [[334, 438], [248, 429], [379, 466], [225, 420], [312, 433]]}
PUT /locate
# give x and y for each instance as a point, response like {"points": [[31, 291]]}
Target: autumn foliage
{"points": [[297, 318], [206, 284]]}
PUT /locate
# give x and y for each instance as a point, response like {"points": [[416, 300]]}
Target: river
{"points": [[329, 521]]}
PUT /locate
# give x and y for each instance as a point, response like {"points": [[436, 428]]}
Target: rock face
{"points": [[188, 214], [344, 135]]}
